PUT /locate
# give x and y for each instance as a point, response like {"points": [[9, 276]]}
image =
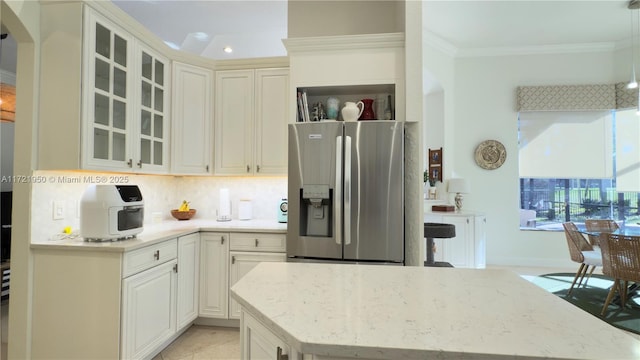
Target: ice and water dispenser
{"points": [[316, 213]]}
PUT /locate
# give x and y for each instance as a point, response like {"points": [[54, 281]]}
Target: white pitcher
{"points": [[352, 111]]}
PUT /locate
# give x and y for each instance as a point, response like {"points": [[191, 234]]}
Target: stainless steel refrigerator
{"points": [[346, 192]]}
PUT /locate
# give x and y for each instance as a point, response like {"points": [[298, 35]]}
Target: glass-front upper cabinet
{"points": [[108, 72], [152, 112]]}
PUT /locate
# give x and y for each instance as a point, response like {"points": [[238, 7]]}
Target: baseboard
{"points": [[531, 262], [218, 322]]}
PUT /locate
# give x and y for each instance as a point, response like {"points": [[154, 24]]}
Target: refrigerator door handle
{"points": [[347, 190], [337, 208]]}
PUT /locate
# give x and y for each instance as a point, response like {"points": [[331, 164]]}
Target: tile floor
{"points": [[206, 342]]}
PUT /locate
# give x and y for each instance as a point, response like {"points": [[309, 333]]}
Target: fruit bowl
{"points": [[183, 215]]}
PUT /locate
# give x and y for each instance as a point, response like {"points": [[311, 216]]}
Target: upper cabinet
{"points": [[251, 117], [192, 120], [121, 123]]}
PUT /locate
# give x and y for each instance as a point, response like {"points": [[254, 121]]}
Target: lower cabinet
{"points": [[188, 279], [97, 304], [467, 249], [214, 283], [148, 310], [240, 264], [258, 342], [225, 258]]}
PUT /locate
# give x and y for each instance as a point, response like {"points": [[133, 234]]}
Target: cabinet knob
{"points": [[221, 240], [156, 255], [233, 259], [248, 168], [257, 168], [175, 268], [280, 355], [206, 168], [130, 162], [139, 163]]}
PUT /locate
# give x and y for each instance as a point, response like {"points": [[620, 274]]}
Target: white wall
{"points": [[485, 108]]}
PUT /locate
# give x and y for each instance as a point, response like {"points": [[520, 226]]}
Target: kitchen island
{"points": [[327, 311]]}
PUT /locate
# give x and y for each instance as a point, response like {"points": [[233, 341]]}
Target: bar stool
{"points": [[439, 231]]}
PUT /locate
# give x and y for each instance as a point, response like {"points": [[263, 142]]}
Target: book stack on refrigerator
{"points": [[303, 107]]}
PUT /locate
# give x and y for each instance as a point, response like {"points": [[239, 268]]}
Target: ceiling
{"points": [[463, 25], [255, 28]]}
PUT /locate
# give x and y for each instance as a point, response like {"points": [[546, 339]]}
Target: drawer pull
{"points": [[257, 168], [280, 355], [156, 255], [130, 162], [175, 268], [257, 242], [233, 259], [248, 168], [221, 240]]}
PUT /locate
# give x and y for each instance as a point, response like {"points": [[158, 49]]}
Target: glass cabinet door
{"points": [[153, 113], [109, 122]]}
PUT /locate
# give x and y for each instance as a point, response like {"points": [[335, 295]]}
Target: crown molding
{"points": [[252, 63], [447, 48], [344, 42], [537, 50]]}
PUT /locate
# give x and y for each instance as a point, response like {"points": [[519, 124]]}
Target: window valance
{"points": [[568, 97]]}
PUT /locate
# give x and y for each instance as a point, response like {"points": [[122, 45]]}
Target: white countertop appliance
{"points": [[111, 212]]}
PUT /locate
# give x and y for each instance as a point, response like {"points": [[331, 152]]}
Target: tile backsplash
{"points": [[161, 193]]}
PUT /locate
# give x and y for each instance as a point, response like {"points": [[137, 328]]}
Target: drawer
{"points": [[147, 257], [257, 242]]}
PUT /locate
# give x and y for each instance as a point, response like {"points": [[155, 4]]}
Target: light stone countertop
{"points": [[389, 312], [163, 231]]}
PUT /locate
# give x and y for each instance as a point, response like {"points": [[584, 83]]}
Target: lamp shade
{"points": [[458, 185]]}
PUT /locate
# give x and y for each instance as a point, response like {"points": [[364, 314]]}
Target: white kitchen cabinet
{"points": [[258, 342], [467, 249], [106, 108], [148, 310], [214, 279], [191, 120], [251, 120], [240, 264], [151, 136], [248, 250], [188, 279]]}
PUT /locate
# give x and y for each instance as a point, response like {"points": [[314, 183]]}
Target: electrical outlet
{"points": [[58, 210]]}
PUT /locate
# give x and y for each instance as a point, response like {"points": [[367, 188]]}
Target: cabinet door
{"points": [[234, 114], [258, 342], [272, 110], [188, 284], [214, 283], [107, 95], [480, 242], [152, 116], [148, 310], [459, 250], [240, 264], [191, 120]]}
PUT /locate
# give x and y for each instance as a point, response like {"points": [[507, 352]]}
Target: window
{"points": [[578, 165]]}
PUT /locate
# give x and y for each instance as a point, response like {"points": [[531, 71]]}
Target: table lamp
{"points": [[458, 186]]}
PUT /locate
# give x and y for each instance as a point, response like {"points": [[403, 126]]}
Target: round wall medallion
{"points": [[490, 154]]}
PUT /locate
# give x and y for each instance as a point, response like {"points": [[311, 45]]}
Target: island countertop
{"points": [[392, 312]]}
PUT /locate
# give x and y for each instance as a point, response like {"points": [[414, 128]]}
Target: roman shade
{"points": [[566, 144]]}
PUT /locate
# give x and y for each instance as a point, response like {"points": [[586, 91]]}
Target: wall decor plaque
{"points": [[490, 154]]}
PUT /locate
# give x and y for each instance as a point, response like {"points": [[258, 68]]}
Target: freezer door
{"points": [[315, 190], [373, 191]]}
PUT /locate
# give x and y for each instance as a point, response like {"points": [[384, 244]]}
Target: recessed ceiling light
{"points": [[227, 49]]}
